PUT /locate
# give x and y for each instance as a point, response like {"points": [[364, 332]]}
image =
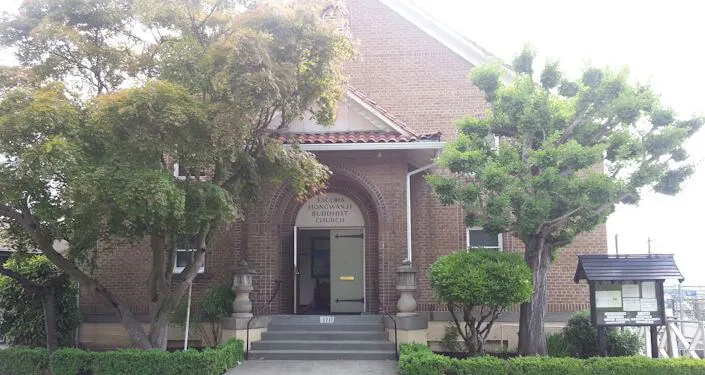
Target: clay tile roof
{"points": [[356, 137], [381, 110]]}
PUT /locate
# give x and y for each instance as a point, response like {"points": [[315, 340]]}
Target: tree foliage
{"points": [[569, 151], [479, 285], [21, 312], [207, 90]]}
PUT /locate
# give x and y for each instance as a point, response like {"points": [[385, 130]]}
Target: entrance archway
{"points": [[329, 256]]}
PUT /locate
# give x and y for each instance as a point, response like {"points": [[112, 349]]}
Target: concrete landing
{"points": [[265, 367]]}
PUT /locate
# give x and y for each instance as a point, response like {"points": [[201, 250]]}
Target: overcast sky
{"points": [[661, 42]]}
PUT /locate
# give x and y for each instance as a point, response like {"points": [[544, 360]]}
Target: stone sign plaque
{"points": [[329, 210]]}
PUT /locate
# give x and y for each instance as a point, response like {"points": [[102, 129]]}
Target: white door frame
{"points": [[296, 269]]}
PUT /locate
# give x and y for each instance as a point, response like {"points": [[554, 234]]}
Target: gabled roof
{"points": [[627, 267], [462, 46], [356, 137], [389, 119]]}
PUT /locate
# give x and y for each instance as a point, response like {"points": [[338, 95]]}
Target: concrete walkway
{"points": [[262, 367]]}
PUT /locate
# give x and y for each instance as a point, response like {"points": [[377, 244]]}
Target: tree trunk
{"points": [[50, 324], [165, 298], [532, 336], [159, 332], [45, 244]]}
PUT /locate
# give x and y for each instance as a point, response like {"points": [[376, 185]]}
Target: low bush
{"points": [[580, 339], [419, 360], [557, 345], [214, 361], [23, 361]]}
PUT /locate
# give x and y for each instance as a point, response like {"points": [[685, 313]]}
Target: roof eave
{"points": [[470, 52], [423, 145]]}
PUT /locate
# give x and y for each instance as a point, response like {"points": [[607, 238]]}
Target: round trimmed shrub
{"points": [[479, 283]]}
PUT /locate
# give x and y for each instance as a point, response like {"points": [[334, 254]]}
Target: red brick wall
{"points": [[408, 72]]}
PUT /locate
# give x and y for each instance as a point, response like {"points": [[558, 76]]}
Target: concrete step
{"points": [[323, 345], [324, 335], [360, 327], [322, 355], [326, 319]]}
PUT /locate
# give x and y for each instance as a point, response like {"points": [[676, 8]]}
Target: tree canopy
{"points": [[123, 92], [568, 151]]}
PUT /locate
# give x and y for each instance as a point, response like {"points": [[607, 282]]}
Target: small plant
{"points": [[557, 346], [581, 339], [477, 286], [211, 306], [449, 341]]}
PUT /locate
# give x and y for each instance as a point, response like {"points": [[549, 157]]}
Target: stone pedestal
{"points": [[242, 286], [406, 285]]}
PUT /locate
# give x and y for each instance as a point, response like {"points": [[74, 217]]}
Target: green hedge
{"points": [[23, 361], [122, 362], [419, 360]]}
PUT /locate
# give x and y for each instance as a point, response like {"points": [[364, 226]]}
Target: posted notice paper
{"points": [[631, 304], [608, 299], [630, 291], [648, 289]]}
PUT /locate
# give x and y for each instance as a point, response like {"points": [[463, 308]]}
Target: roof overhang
{"points": [[352, 95], [373, 146], [628, 267], [469, 51]]}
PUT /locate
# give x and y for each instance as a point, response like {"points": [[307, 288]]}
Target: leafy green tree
{"points": [[39, 303], [218, 83], [569, 151], [477, 286]]}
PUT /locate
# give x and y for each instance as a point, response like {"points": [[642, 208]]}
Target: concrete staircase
{"points": [[313, 337]]}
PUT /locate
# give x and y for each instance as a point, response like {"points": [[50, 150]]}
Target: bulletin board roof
{"points": [[633, 267]]}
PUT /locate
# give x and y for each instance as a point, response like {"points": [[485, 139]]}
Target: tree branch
{"points": [[549, 226], [27, 284]]}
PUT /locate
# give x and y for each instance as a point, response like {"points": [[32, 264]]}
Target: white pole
{"points": [[188, 317]]}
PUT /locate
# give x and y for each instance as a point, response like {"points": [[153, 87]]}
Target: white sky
{"points": [[661, 42]]}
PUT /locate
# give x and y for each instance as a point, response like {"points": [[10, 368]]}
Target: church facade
{"points": [[338, 252]]}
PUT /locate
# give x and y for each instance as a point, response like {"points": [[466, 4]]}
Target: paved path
{"points": [[263, 367]]}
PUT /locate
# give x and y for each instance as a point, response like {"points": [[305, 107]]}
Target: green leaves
{"points": [[570, 151], [480, 277], [22, 315]]}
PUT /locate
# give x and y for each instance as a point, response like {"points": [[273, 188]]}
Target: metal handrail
{"points": [[396, 343], [247, 338], [381, 307], [247, 335]]}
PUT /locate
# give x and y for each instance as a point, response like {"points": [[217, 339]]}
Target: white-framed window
{"points": [[184, 254], [476, 237]]}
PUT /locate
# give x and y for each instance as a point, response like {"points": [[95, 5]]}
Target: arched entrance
{"points": [[329, 256]]}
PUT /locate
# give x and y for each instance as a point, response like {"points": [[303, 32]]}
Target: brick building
{"points": [[407, 84]]}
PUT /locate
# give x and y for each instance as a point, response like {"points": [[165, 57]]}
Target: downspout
{"points": [[408, 207]]}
